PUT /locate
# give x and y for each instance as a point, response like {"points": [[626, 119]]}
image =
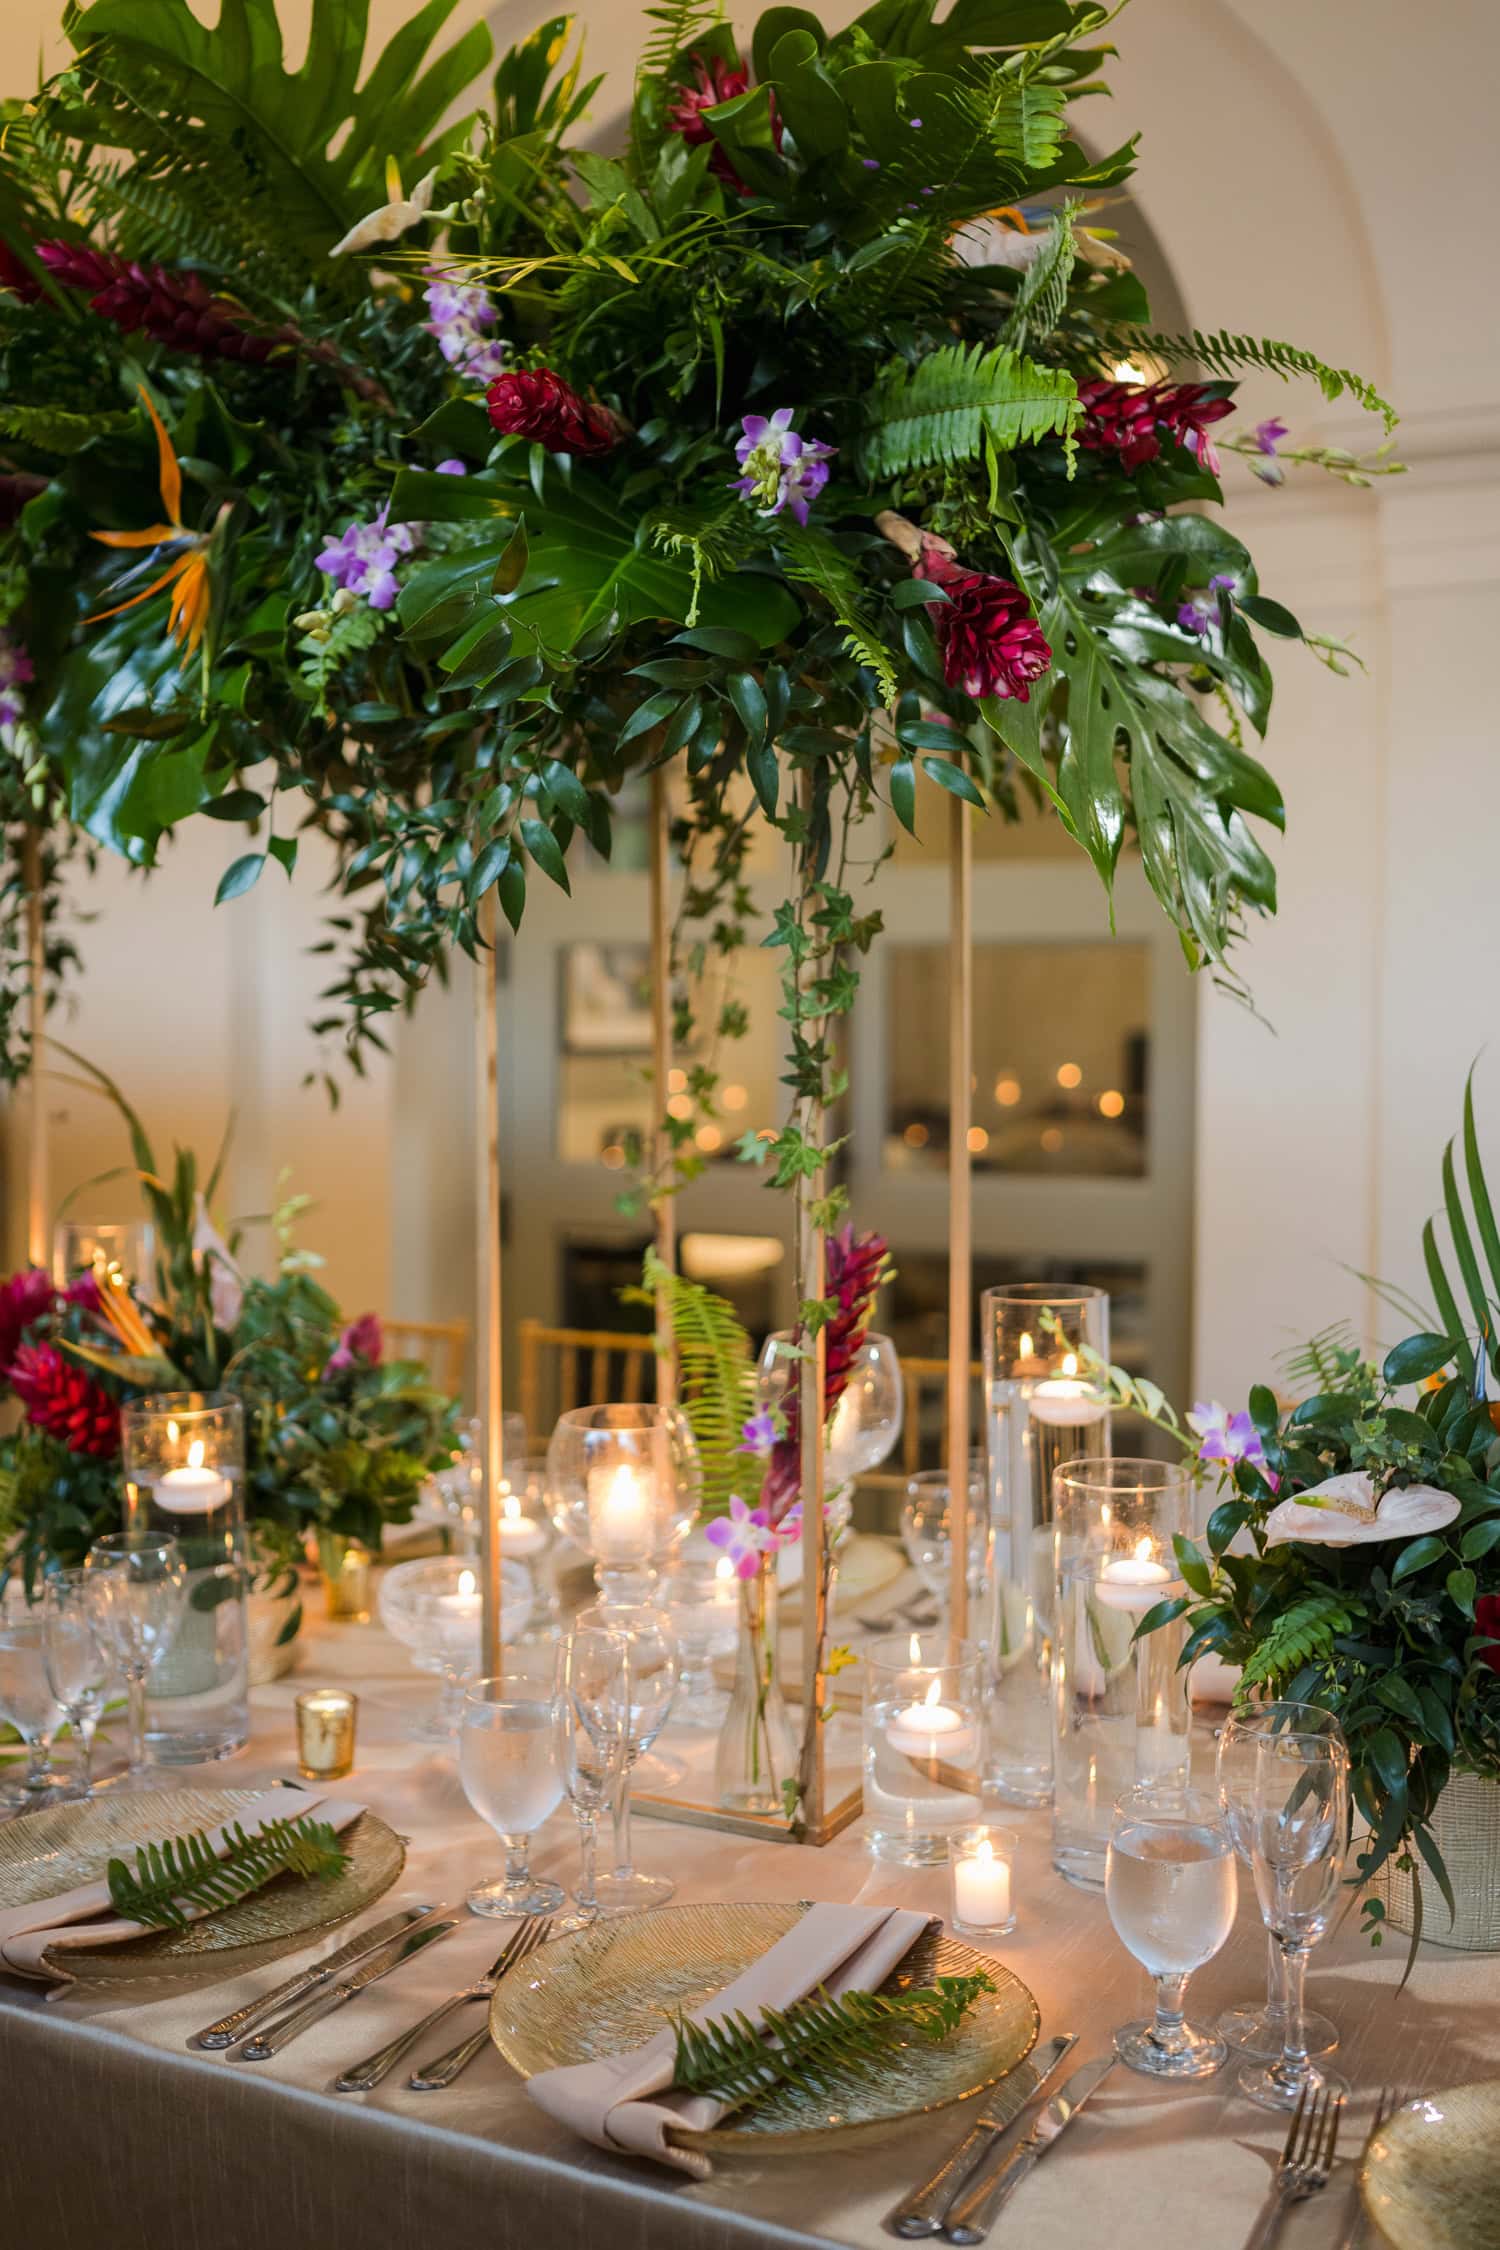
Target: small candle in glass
{"points": [[325, 1733], [983, 1904]]}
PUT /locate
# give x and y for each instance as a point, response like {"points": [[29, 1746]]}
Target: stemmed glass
{"points": [[699, 1595], [1258, 2029], [28, 1704], [649, 1687], [867, 1417], [1169, 1884], [1294, 1815], [927, 1536], [140, 1580], [77, 1659], [591, 1718], [507, 1762]]}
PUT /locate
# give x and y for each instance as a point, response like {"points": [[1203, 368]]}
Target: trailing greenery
{"points": [[183, 1876], [820, 2044], [1227, 355]]}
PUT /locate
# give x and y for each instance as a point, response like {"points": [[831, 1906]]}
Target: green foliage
{"points": [[942, 411], [1303, 1634], [183, 1876], [716, 1364], [1226, 355], [820, 2044]]}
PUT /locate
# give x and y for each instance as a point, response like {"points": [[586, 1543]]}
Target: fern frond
{"points": [[1301, 1635], [814, 559], [712, 538], [1043, 294], [717, 1370], [183, 1876], [1226, 356], [677, 24], [1325, 1362], [56, 429], [819, 2044], [941, 411]]}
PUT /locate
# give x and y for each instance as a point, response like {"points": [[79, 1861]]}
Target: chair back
{"points": [[441, 1346], [565, 1367]]}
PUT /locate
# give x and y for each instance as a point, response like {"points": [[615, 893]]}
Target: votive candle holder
{"points": [[923, 1744], [325, 1733], [983, 1883]]}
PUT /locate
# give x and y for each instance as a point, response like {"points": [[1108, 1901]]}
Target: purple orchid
{"points": [[460, 316], [362, 560], [15, 673], [782, 469], [1196, 615], [1229, 1438], [744, 1535], [760, 1434], [1268, 436], [452, 467]]}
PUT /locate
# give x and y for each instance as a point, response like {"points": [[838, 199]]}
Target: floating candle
{"points": [[520, 1534], [194, 1489], [928, 1729], [1135, 1582]]}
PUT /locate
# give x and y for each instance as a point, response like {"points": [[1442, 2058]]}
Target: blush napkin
{"points": [[81, 1916], [626, 2102]]}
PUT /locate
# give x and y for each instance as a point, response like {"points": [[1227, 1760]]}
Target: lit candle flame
{"points": [[195, 1454], [916, 1648], [1143, 1549], [723, 1568], [466, 1581], [1070, 1363], [986, 1851], [173, 1433], [512, 1508], [1026, 1344], [930, 1698]]}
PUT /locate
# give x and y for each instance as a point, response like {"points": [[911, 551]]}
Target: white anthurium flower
{"points": [[1342, 1511], [226, 1284], [392, 218]]}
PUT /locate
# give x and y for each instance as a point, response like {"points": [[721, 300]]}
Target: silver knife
{"points": [[921, 2212], [233, 2027], [279, 2034], [977, 2207]]}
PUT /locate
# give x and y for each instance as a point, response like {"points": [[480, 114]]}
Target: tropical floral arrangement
{"points": [[338, 1439], [1354, 1561]]}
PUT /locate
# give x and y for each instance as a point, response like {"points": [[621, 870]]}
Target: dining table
{"points": [[115, 2134]]}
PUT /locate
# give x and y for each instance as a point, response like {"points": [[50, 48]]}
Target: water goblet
{"points": [[1169, 1884], [699, 1595], [590, 1714], [650, 1683], [28, 1704], [1295, 1810], [865, 1421], [926, 1532], [507, 1763], [1257, 2028], [77, 1659], [140, 1578]]}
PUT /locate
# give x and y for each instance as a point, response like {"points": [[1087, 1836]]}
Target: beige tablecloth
{"points": [[114, 2137]]}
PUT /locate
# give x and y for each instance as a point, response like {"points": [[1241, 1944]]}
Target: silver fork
{"points": [[1306, 2161], [443, 2069], [1391, 2099], [361, 2076]]}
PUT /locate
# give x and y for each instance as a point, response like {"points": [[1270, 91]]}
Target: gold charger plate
{"points": [[43, 1853], [1431, 2176], [606, 1989]]}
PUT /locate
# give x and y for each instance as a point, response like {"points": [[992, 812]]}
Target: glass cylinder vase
{"points": [[923, 1744], [757, 1753], [184, 1455], [1041, 1409]]}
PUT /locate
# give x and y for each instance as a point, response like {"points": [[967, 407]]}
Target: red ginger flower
{"points": [[717, 81], [536, 403], [173, 308], [25, 1299], [1125, 418], [62, 1399], [854, 1264], [1487, 1618], [988, 639]]}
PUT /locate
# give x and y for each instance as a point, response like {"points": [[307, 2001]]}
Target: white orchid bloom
{"points": [[226, 1284], [1342, 1511], [392, 218]]}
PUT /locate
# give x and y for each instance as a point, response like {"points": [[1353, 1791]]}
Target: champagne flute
{"points": [[1257, 2029], [1169, 1884], [1296, 1813], [77, 1659], [140, 1578], [650, 1685], [507, 1762], [591, 1715], [28, 1704]]}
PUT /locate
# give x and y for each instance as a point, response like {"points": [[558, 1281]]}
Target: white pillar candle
{"points": [[520, 1536], [457, 1614], [622, 1518], [981, 1889]]}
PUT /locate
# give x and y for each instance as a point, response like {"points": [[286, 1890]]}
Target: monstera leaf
{"points": [[316, 136], [543, 584]]}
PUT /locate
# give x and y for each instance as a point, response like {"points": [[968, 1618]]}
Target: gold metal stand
{"points": [[665, 1206], [487, 1348], [960, 1225], [38, 1193]]}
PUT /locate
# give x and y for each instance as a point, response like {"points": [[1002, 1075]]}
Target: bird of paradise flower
{"points": [[187, 574]]}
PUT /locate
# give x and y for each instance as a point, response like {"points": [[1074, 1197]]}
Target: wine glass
{"points": [[1169, 1884], [650, 1685], [622, 1483], [140, 1579], [1295, 1811], [77, 1659], [865, 1421], [460, 1487], [699, 1596], [1258, 2028], [28, 1704], [590, 1716], [927, 1536], [507, 1762]]}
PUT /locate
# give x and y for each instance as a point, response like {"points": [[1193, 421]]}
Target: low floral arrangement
{"points": [[338, 1439], [1354, 1562]]}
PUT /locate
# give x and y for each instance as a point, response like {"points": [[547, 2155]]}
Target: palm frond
{"points": [[1226, 356], [182, 1875], [941, 411], [819, 2044], [717, 1370]]}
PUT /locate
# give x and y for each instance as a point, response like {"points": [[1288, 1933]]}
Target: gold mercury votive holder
{"points": [[325, 1733]]}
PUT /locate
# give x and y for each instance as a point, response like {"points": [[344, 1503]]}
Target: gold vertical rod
{"points": [[38, 1196], [812, 1381], [665, 1206], [487, 1197], [960, 1198]]}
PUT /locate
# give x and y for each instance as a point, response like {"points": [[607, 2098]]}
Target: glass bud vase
{"points": [[757, 1752]]}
